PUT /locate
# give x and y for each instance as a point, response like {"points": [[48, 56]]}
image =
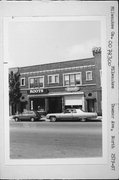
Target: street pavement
{"points": [[35, 140]]}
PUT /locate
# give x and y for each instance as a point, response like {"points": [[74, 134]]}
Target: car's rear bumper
{"points": [[97, 118]]}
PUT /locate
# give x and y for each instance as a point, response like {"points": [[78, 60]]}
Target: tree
{"points": [[14, 91]]}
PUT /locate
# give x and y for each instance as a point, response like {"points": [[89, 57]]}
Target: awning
{"points": [[73, 100], [57, 94]]}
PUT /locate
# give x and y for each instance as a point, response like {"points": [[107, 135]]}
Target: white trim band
{"points": [[59, 69], [57, 94]]}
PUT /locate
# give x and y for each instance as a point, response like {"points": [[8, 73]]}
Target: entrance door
{"points": [[55, 104], [22, 106], [90, 105], [37, 102]]}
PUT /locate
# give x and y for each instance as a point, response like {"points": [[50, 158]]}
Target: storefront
{"points": [[91, 101], [55, 102], [56, 86]]}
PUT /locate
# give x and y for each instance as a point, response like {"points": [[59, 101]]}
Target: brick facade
{"points": [[73, 83]]}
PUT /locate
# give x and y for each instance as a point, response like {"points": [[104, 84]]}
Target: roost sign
{"points": [[37, 91]]}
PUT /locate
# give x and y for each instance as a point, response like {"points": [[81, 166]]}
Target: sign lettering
{"points": [[37, 91], [72, 89]]}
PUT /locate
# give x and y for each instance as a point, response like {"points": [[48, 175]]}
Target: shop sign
{"points": [[37, 91], [72, 89]]}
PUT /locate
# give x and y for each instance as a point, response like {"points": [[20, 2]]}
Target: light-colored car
{"points": [[72, 114], [27, 115]]}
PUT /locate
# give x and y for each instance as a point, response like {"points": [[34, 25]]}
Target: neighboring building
{"points": [[56, 86]]}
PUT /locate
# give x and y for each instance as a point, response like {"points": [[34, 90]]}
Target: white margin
{"points": [[101, 160]]}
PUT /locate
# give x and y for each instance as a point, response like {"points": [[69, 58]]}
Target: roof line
{"points": [[54, 63]]}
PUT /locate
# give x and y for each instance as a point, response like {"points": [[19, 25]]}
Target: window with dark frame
{"points": [[88, 75], [22, 81], [37, 82], [72, 79], [53, 78]]}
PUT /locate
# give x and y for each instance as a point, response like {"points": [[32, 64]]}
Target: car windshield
{"points": [[73, 110], [67, 111], [25, 112], [28, 112], [79, 110]]}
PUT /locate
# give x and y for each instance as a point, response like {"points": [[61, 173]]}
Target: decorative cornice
{"points": [[57, 94], [59, 69], [25, 89]]}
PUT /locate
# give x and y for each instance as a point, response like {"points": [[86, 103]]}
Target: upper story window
{"points": [[72, 79], [22, 81], [53, 78], [89, 75], [36, 82]]}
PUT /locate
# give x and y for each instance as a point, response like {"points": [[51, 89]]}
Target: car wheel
{"points": [[16, 119], [83, 120], [52, 118], [32, 119]]}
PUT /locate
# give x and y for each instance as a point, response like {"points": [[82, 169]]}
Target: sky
{"points": [[40, 42]]}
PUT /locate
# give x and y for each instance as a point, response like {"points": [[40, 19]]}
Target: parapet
{"points": [[96, 50]]}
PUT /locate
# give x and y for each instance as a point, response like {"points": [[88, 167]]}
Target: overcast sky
{"points": [[40, 42]]}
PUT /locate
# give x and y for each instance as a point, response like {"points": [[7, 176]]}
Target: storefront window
{"points": [[72, 79]]}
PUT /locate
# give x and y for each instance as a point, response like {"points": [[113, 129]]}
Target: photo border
{"points": [[108, 168], [88, 160]]}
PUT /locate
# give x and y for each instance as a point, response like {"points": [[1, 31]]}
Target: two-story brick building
{"points": [[56, 86]]}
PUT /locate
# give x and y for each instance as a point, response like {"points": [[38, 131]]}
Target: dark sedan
{"points": [[27, 115]]}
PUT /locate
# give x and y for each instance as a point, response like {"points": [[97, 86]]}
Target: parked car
{"points": [[72, 114], [27, 115]]}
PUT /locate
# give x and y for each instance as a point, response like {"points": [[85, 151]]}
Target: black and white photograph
{"points": [[55, 89], [59, 86]]}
